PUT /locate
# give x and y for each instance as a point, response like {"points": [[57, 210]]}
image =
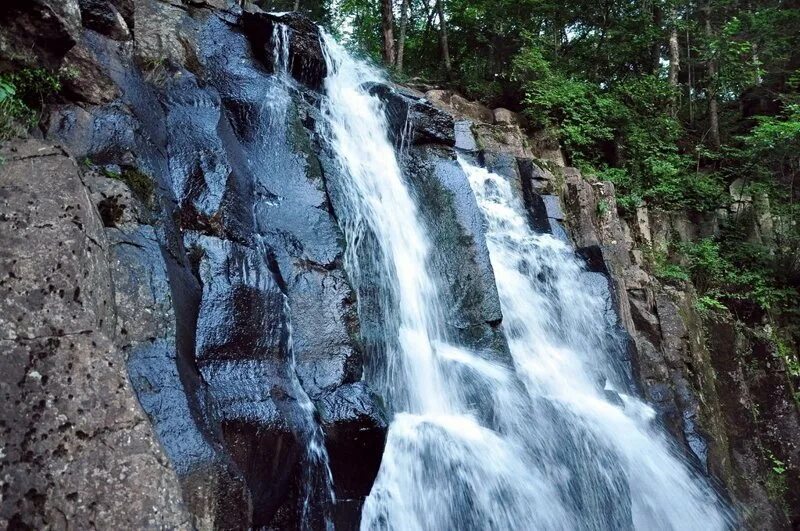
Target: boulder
{"points": [[306, 61], [77, 448], [103, 17]]}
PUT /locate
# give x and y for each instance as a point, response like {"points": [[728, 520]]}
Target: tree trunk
{"points": [[296, 5], [401, 41], [711, 88], [443, 38], [674, 60], [656, 50], [387, 25]]}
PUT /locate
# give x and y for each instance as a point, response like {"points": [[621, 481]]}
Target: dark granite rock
{"points": [[103, 17], [412, 119], [306, 62]]}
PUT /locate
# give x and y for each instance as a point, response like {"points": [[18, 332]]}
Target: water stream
{"points": [[559, 337], [476, 442]]}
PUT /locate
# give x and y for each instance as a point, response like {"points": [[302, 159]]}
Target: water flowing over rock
{"points": [[249, 283]]}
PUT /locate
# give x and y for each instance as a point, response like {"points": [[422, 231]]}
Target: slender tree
{"points": [[674, 58], [387, 27], [401, 41], [711, 84], [443, 38]]}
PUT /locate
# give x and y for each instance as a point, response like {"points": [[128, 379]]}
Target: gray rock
{"points": [[165, 34], [552, 204], [78, 450], [464, 139]]}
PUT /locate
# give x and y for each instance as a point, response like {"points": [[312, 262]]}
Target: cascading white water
{"points": [[476, 443], [555, 331], [444, 466]]}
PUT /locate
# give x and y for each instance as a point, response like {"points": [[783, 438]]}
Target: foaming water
{"points": [[559, 340], [450, 462], [477, 443]]}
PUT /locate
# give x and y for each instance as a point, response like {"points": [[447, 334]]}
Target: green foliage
{"points": [[784, 351], [22, 95], [706, 304], [139, 182], [776, 478], [733, 271], [665, 269]]}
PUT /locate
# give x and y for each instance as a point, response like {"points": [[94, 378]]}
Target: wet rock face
{"points": [[77, 448], [221, 262], [412, 120], [306, 62], [460, 256]]}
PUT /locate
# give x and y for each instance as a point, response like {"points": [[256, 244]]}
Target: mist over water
{"points": [[550, 442]]}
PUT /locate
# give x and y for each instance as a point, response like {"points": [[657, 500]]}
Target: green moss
{"points": [[140, 184], [602, 208]]}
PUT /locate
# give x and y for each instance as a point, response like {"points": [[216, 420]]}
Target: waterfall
{"points": [[476, 442], [444, 467], [556, 331]]}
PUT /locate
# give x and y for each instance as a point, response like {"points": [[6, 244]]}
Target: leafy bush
{"points": [[706, 304], [22, 96]]}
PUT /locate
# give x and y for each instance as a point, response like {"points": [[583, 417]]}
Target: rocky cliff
{"points": [[175, 296], [172, 254]]}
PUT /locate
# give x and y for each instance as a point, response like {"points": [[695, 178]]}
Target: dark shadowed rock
{"points": [[37, 32], [103, 17], [306, 62], [412, 119], [355, 434]]}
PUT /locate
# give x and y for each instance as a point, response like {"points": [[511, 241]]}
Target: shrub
{"points": [[22, 96]]}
